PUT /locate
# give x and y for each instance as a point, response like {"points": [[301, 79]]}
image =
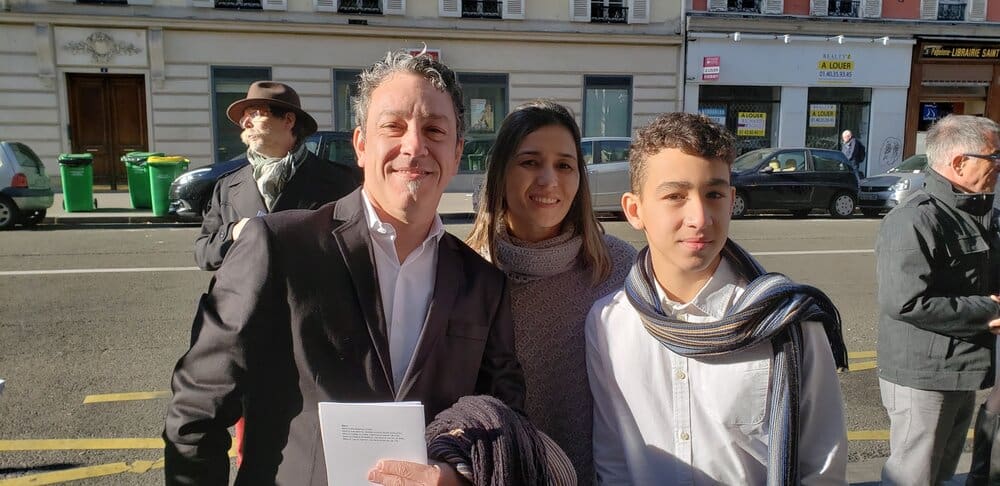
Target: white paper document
{"points": [[357, 435]]}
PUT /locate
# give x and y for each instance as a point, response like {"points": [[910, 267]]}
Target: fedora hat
{"points": [[274, 94]]}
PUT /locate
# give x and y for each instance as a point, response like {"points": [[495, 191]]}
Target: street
{"points": [[92, 320]]}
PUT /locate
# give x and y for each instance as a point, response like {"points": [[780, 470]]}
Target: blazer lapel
{"points": [[244, 192], [355, 243], [299, 188], [449, 279]]}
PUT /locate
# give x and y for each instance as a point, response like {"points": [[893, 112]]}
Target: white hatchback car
{"points": [[25, 192]]}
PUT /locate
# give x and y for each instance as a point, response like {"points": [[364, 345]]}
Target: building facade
{"points": [[111, 76]]}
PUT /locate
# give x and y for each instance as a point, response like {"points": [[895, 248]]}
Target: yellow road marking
{"points": [[864, 365], [861, 354], [863, 435], [74, 444], [123, 397], [137, 467]]}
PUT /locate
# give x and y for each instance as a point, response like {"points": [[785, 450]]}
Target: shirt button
{"points": [[680, 375], [685, 436]]}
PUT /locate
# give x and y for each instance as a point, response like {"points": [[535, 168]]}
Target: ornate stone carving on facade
{"points": [[102, 47]]}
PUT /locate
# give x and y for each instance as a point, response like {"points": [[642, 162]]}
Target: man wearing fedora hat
{"points": [[280, 173]]}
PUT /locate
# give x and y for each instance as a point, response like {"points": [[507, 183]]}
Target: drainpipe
{"points": [[682, 75]]}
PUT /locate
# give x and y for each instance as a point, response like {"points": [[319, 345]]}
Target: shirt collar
{"points": [[379, 229], [714, 298]]}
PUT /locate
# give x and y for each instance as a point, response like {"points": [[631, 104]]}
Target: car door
{"points": [[609, 173], [834, 173], [790, 182]]}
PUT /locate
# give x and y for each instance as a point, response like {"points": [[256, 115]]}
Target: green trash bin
{"points": [[162, 172], [138, 178], [77, 174]]}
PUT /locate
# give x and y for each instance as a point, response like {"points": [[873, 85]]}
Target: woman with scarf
{"points": [[536, 223]]}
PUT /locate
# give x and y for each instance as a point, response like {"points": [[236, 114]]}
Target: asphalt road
{"points": [[67, 338]]}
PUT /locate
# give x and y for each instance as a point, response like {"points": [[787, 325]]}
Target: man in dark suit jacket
{"points": [[280, 173], [365, 299]]}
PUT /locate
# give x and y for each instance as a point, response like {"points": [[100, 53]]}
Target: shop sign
{"points": [[717, 114], [822, 116], [751, 124], [835, 68], [928, 112], [711, 66], [960, 52]]}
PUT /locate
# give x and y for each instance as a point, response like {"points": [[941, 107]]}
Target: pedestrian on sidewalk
{"points": [[280, 173], [937, 257], [854, 150]]}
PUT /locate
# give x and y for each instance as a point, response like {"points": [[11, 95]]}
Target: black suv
{"points": [[795, 179], [190, 191]]}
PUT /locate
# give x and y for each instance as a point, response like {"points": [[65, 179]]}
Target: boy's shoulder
{"points": [[608, 310]]}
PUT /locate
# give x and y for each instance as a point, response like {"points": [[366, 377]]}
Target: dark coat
{"points": [[300, 321], [856, 154], [316, 182]]}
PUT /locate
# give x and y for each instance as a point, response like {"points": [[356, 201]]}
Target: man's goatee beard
{"points": [[412, 187]]}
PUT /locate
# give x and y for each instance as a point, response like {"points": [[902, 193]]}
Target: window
{"points": [[951, 10], [240, 5], [228, 85], [828, 162], [744, 6], [372, 7], [482, 9], [750, 112], [485, 100], [613, 151], [791, 161], [103, 2], [609, 11], [607, 106], [345, 88], [844, 8], [25, 157]]}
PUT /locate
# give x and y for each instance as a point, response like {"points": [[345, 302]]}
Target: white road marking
{"points": [[810, 252]]}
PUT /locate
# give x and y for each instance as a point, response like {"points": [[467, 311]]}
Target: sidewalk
{"points": [[868, 473], [115, 208]]}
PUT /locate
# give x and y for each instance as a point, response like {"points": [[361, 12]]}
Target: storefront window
{"points": [[485, 107], [228, 85], [750, 112], [833, 110], [607, 106], [345, 87]]}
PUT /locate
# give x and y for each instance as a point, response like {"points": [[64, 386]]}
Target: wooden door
{"points": [[107, 119]]}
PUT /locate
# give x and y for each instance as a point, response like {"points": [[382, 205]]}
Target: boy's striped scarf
{"points": [[770, 309]]}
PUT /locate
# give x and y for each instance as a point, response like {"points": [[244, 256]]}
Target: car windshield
{"points": [[750, 159], [916, 163]]}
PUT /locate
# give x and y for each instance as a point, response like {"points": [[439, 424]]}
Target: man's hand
{"points": [[403, 473], [239, 227]]}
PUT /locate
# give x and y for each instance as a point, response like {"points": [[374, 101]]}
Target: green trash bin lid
{"points": [[139, 158], [169, 160], [76, 159]]}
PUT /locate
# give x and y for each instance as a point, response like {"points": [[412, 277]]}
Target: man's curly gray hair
{"points": [[420, 64]]}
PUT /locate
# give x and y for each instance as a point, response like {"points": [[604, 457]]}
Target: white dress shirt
{"points": [[406, 288], [660, 418]]}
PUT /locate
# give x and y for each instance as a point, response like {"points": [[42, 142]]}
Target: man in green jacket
{"points": [[937, 259]]}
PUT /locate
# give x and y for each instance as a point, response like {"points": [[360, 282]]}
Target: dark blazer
{"points": [[298, 321], [316, 182]]}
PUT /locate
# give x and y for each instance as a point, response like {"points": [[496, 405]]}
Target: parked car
{"points": [[883, 192], [606, 162], [25, 192], [192, 190], [794, 179]]}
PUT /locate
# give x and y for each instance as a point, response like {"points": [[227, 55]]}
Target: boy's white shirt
{"points": [[660, 418]]}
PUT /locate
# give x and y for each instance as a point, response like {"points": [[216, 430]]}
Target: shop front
{"points": [[950, 77], [776, 90]]}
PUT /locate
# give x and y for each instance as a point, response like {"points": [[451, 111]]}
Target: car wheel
{"points": [[800, 213], [32, 218], [9, 214], [740, 205], [870, 212], [842, 205]]}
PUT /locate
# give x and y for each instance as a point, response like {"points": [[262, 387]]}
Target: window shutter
{"points": [[819, 8], [579, 10], [513, 9], [203, 3], [140, 2], [393, 7], [718, 5], [871, 9], [928, 9], [977, 11], [774, 7], [638, 11], [325, 5], [449, 8], [274, 4]]}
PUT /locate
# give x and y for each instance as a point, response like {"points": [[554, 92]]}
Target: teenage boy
{"points": [[704, 368]]}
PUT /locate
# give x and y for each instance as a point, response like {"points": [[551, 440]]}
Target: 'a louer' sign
{"points": [[837, 68]]}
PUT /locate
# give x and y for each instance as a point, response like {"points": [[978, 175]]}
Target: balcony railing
{"points": [[608, 14], [951, 11], [482, 9], [360, 7], [844, 8], [239, 4], [744, 6]]}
